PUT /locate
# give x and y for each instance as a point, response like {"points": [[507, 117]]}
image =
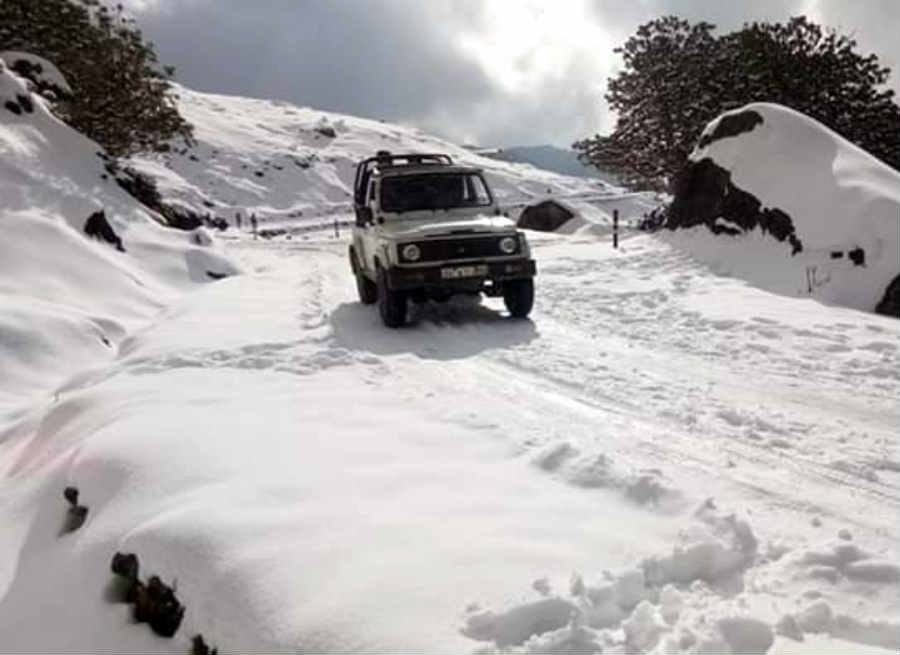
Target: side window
{"points": [[476, 191]]}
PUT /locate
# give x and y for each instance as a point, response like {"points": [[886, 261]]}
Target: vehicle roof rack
{"points": [[384, 158]]}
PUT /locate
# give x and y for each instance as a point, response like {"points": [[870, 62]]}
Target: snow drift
{"points": [[790, 206], [65, 299]]}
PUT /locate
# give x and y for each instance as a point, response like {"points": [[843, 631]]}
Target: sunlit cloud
{"points": [[492, 72]]}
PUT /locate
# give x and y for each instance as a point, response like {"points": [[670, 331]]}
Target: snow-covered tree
{"points": [[120, 95], [678, 76]]}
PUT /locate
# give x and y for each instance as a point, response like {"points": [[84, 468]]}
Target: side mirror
{"points": [[363, 216]]}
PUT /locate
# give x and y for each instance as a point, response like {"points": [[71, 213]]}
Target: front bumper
{"points": [[404, 278]]}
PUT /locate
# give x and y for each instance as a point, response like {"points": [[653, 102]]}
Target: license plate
{"points": [[463, 271]]}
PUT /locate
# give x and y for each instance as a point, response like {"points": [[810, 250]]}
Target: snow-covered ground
{"points": [[661, 460], [680, 461]]}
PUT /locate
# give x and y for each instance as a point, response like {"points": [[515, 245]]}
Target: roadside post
{"points": [[337, 231], [615, 228]]}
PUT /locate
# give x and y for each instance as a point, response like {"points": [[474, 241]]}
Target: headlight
{"points": [[508, 245], [411, 252]]}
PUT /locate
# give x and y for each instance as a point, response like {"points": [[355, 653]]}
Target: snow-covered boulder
{"points": [[42, 72], [776, 198]]}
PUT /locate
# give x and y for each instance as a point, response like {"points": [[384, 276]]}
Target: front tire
{"points": [[391, 304], [518, 295], [368, 291]]}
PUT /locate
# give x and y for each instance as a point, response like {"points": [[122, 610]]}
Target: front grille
{"points": [[448, 249]]}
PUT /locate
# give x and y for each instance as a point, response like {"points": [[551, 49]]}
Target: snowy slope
{"points": [[65, 298], [285, 162], [839, 199], [663, 460]]}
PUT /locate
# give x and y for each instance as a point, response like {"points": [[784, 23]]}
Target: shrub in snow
{"points": [[99, 228], [155, 602]]}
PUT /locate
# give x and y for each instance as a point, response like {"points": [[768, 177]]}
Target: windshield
{"points": [[405, 193]]}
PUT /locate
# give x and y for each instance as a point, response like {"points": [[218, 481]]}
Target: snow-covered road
{"points": [[661, 459]]}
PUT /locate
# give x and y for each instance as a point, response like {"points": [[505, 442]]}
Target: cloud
{"points": [[492, 72]]}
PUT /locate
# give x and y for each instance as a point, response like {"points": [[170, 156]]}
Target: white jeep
{"points": [[427, 229]]}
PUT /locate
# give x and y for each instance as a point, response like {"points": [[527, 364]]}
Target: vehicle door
{"points": [[369, 231]]}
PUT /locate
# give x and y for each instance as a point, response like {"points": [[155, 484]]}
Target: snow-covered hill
{"points": [[66, 299], [285, 162], [664, 460], [795, 208]]}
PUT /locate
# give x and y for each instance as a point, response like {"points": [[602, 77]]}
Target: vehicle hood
{"points": [[434, 226]]}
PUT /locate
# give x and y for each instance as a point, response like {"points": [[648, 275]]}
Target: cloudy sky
{"points": [[491, 72]]}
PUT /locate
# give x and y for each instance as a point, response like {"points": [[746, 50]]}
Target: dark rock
{"points": [[156, 604], [76, 514], [216, 276], [857, 256], [704, 192], [259, 174], [327, 131], [546, 216], [199, 647], [75, 518], [71, 495], [209, 203], [126, 565], [13, 107], [890, 302], [98, 227], [26, 103], [837, 254], [732, 125]]}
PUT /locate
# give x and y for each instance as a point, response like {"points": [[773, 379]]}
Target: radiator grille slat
{"points": [[446, 249]]}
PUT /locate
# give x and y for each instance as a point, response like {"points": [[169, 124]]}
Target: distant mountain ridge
{"points": [[551, 158]]}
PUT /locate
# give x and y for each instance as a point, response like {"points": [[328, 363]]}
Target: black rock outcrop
{"points": [[546, 216], [705, 193]]}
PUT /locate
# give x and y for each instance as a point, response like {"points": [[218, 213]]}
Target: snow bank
{"points": [[841, 204], [67, 298]]}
